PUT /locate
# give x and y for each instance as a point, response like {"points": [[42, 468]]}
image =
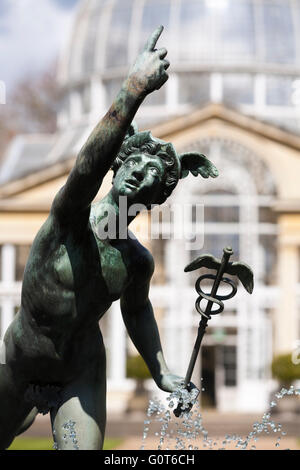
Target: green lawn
{"points": [[42, 443]]}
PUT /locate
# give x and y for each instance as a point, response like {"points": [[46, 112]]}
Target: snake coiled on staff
{"points": [[215, 300]]}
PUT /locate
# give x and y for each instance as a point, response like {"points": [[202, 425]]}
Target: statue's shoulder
{"points": [[142, 261]]}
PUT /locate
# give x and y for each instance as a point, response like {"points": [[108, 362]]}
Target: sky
{"points": [[32, 33]]}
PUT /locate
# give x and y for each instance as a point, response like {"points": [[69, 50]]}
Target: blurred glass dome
{"points": [[242, 52]]}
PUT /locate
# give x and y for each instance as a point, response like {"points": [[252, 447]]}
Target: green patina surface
{"points": [[55, 356]]}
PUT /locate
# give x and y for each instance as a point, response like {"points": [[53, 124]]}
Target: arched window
{"points": [[237, 206]]}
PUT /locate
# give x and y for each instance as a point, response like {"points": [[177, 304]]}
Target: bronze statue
{"points": [[55, 356]]}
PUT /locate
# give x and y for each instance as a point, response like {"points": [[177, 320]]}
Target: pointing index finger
{"points": [[151, 43]]}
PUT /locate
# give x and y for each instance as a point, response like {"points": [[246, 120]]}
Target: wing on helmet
{"points": [[197, 164], [132, 129]]}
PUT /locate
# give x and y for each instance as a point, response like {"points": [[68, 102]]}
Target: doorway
{"points": [[208, 383], [218, 370]]}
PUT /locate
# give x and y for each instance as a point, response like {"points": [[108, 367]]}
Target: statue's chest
{"points": [[113, 269], [105, 264]]}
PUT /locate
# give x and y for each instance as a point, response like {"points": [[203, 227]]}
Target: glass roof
{"points": [[108, 34], [251, 44]]}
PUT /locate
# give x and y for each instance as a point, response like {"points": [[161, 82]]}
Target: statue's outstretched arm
{"points": [[142, 328], [97, 155]]}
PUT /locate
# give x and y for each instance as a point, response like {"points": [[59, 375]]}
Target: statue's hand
{"points": [[187, 394], [170, 382], [149, 71]]}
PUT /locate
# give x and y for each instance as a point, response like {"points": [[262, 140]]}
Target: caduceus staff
{"points": [[223, 266]]}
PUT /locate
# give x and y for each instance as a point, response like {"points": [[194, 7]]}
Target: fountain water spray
{"points": [[189, 433], [69, 433]]}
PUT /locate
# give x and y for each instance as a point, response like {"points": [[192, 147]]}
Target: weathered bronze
{"points": [[55, 356], [244, 274]]}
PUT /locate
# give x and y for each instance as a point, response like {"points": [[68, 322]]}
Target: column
{"points": [[8, 266], [253, 338], [97, 98], [260, 94], [75, 106], [242, 342], [178, 321], [285, 324], [117, 333], [172, 93], [216, 88]]}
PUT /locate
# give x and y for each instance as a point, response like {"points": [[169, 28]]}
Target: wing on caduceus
{"points": [[241, 270], [203, 261], [244, 273]]}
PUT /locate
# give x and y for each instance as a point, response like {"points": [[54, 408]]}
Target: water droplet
{"points": [[190, 427]]}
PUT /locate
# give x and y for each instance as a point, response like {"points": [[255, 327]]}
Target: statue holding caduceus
{"points": [[55, 356]]}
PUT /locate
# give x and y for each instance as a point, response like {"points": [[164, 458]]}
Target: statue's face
{"points": [[140, 178]]}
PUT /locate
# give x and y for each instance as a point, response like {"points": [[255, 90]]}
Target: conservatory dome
{"points": [[243, 52]]}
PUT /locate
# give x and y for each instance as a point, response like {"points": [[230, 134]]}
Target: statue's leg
{"points": [[79, 422], [13, 407], [28, 421]]}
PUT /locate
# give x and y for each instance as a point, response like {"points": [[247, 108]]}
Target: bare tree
{"points": [[31, 107]]}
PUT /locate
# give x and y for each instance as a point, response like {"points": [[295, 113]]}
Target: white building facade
{"points": [[223, 52]]}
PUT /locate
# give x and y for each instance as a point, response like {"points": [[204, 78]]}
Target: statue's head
{"points": [[147, 169]]}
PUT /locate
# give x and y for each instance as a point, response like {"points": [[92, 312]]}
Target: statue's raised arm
{"points": [[97, 155]]}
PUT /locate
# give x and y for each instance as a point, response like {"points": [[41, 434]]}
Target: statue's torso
{"points": [[69, 283]]}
